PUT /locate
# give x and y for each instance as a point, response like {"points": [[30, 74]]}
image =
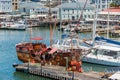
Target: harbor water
{"points": [[8, 56]]}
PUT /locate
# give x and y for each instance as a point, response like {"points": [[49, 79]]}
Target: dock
{"points": [[55, 72]]}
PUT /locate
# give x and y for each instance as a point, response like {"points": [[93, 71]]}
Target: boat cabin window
{"points": [[84, 44], [118, 53], [74, 42], [105, 52], [66, 43], [61, 42], [56, 42]]}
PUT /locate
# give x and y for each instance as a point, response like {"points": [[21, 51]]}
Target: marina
{"points": [[59, 40], [11, 38]]}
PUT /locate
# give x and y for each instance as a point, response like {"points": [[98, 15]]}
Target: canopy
{"points": [[53, 50], [100, 38], [37, 38]]}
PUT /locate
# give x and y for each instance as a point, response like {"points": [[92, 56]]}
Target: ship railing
{"points": [[112, 70]]}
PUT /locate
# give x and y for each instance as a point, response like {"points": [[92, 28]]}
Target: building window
{"points": [[77, 16], [73, 11], [73, 17], [77, 11], [16, 7], [54, 12], [88, 16], [24, 10]]}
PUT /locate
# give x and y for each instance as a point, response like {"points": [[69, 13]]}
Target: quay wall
{"points": [[55, 72]]}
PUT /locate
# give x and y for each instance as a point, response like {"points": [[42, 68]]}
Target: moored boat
{"points": [[12, 26], [40, 53], [70, 41], [28, 50], [104, 55]]}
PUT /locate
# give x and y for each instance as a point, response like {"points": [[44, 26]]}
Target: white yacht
{"points": [[103, 54], [18, 26], [70, 42], [9, 25]]}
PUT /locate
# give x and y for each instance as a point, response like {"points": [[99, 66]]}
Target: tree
{"points": [[115, 3]]}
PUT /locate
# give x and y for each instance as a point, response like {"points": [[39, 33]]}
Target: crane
{"points": [[81, 15]]}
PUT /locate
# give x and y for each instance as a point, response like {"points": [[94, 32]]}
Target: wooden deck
{"points": [[55, 72]]}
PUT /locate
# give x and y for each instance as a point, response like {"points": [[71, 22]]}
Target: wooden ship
{"points": [[39, 53]]}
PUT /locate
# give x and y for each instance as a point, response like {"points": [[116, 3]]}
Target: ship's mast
{"points": [[95, 22], [81, 15], [50, 18], [108, 27], [60, 14]]}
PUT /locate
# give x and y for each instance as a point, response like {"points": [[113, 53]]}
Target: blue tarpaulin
{"points": [[107, 40]]}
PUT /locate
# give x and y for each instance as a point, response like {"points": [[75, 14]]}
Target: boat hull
{"points": [[101, 62], [24, 57], [57, 60], [12, 29]]}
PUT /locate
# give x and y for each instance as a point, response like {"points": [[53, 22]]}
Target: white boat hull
{"points": [[101, 62]]}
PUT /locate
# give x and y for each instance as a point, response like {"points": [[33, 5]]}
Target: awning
{"points": [[53, 50], [37, 38]]}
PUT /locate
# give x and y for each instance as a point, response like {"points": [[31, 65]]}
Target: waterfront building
{"points": [[15, 4], [29, 7], [114, 16], [72, 11], [68, 11], [36, 10], [102, 4], [15, 7], [5, 6], [43, 12]]}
